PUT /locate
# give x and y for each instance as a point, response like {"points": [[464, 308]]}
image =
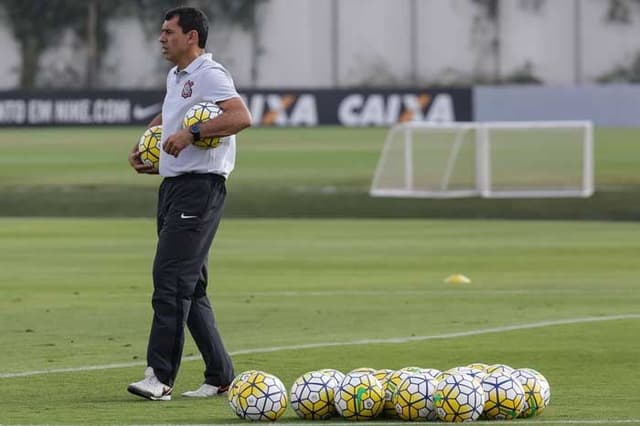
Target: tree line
{"points": [[39, 24]]}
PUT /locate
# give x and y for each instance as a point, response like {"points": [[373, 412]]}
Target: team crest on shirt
{"points": [[186, 89]]}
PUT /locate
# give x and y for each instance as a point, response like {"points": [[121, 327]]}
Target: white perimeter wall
{"points": [[327, 43], [10, 63]]}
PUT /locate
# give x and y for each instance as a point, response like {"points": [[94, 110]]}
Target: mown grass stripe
{"points": [[476, 332]]}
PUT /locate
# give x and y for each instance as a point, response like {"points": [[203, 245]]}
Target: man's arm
{"points": [[234, 118], [157, 120]]}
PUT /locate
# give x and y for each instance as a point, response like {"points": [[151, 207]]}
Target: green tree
{"points": [[38, 24]]}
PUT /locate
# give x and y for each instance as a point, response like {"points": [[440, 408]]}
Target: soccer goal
{"points": [[490, 159]]}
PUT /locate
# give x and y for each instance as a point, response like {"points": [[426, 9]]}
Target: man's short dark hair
{"points": [[189, 19]]}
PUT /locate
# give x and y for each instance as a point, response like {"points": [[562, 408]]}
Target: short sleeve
{"points": [[219, 85]]}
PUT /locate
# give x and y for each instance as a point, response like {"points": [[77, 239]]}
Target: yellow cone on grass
{"points": [[457, 279]]}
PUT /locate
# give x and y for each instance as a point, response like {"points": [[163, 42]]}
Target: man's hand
{"points": [[177, 142], [138, 165]]}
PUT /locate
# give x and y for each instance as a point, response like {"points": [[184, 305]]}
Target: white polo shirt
{"points": [[202, 80]]}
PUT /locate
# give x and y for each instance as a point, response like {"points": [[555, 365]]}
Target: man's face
{"points": [[173, 41]]}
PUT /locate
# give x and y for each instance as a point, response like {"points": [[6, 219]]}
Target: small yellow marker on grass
{"points": [[457, 279]]}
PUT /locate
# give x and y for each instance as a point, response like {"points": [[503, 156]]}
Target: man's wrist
{"points": [[195, 132]]}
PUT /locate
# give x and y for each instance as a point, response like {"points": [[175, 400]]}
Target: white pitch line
{"points": [[377, 293], [408, 339]]}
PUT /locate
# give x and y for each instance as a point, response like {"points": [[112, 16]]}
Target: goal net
{"points": [[491, 159]]}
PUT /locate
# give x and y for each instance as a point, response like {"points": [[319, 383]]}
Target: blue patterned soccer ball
{"points": [[413, 398], [499, 368], [359, 396], [504, 397], [232, 393], [390, 386], [545, 388], [534, 401], [337, 375], [149, 146], [199, 113], [459, 398], [259, 397], [312, 396], [473, 372]]}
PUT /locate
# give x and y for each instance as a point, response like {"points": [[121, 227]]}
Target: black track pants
{"points": [[189, 210]]}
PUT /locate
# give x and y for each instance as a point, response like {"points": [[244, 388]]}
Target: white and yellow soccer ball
{"points": [[545, 388], [534, 399], [430, 373], [359, 396], [199, 113], [504, 397], [149, 146], [337, 375], [499, 368], [390, 386], [363, 370], [412, 369], [259, 397], [232, 393], [478, 365], [458, 398], [382, 375], [312, 396], [473, 372], [413, 399]]}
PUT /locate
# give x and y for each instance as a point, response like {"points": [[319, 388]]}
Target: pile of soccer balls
{"points": [[460, 394]]}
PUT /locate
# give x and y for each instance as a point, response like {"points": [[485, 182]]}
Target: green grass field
{"points": [[309, 272], [75, 295], [319, 172]]}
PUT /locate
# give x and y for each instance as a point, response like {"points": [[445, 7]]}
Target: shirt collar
{"points": [[194, 65]]}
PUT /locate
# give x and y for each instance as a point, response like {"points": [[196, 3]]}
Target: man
{"points": [[190, 203]]}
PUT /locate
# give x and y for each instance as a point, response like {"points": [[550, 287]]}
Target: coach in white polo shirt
{"points": [[190, 204]]}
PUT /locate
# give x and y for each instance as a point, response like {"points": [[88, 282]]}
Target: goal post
{"points": [[486, 159]]}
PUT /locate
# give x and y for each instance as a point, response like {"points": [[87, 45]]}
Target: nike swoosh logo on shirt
{"points": [[184, 216], [140, 112]]}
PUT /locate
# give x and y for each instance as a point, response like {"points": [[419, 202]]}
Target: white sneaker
{"points": [[150, 387], [206, 391]]}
